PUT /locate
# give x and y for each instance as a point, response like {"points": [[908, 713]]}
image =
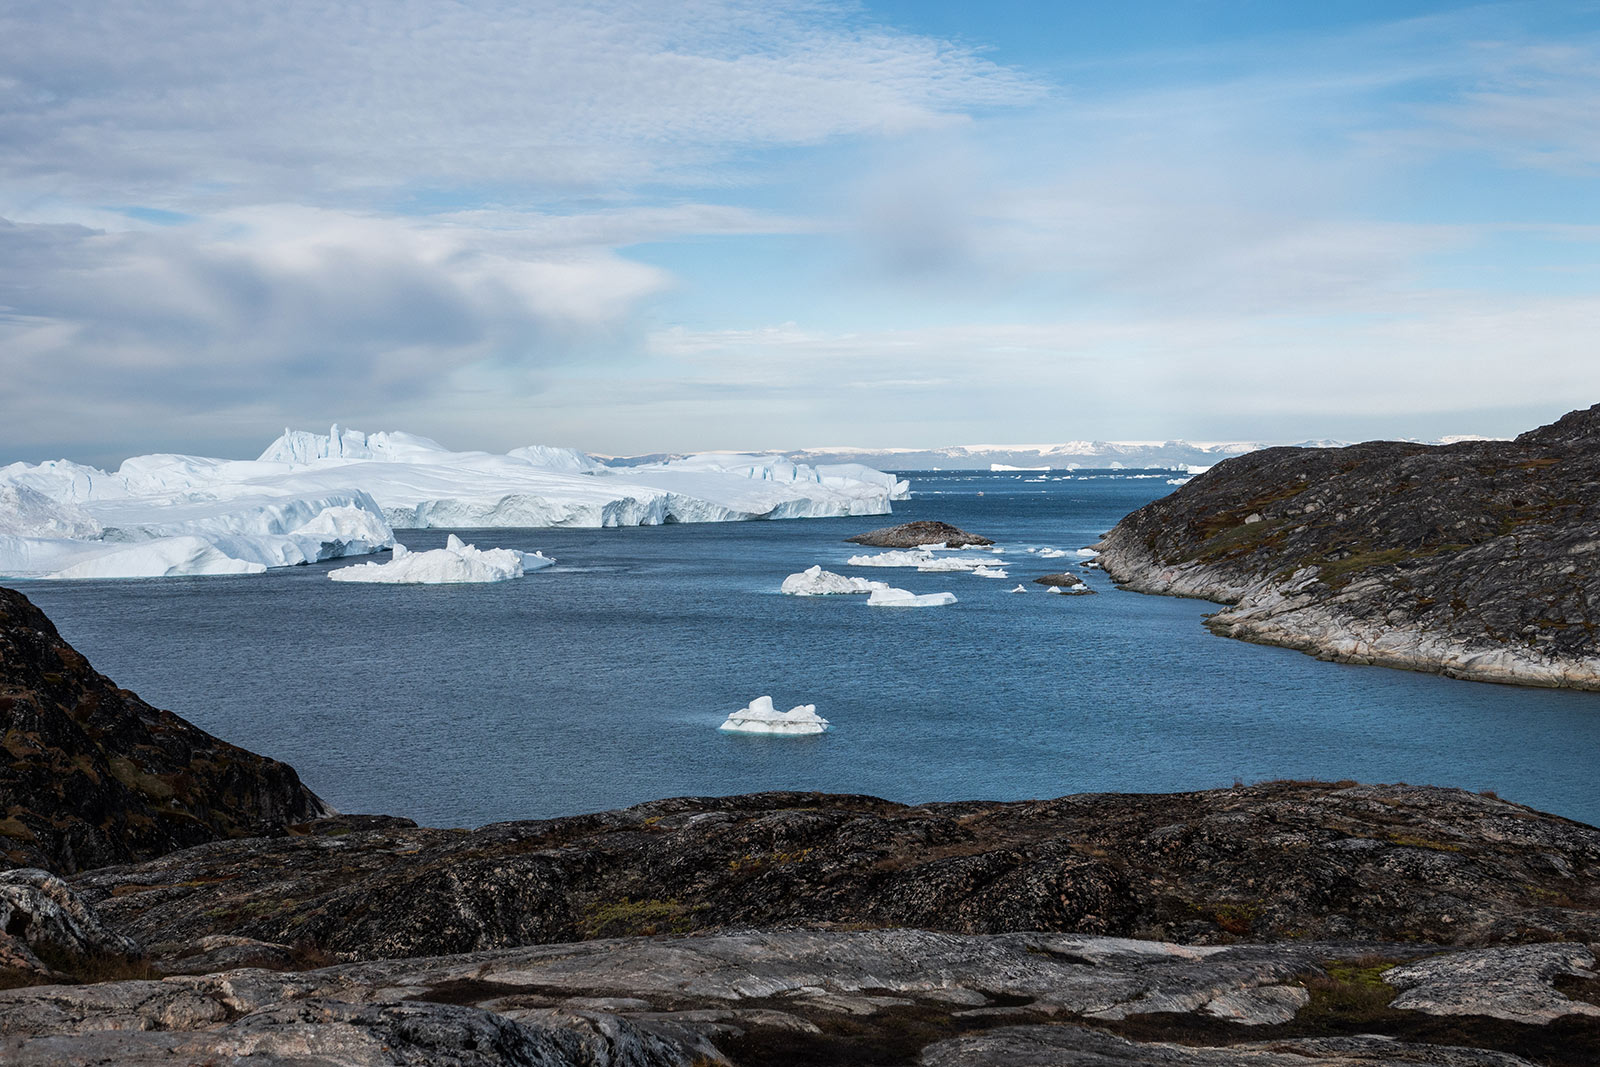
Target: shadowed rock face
{"points": [[922, 532], [90, 774], [1279, 861], [1479, 560]]}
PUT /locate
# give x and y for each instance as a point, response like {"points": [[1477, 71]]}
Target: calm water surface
{"points": [[601, 682]]}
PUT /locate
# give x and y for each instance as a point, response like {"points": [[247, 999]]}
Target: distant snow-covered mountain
{"points": [[1070, 455]]}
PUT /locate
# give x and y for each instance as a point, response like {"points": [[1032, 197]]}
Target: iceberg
{"points": [[904, 598], [1020, 589], [989, 572], [1051, 553], [455, 563], [311, 497], [814, 581], [760, 717]]}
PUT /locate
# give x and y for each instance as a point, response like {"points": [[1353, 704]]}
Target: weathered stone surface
{"points": [[765, 998], [1261, 1006], [1479, 560], [1272, 861], [1514, 983], [922, 532], [90, 774], [1074, 1046], [40, 911]]}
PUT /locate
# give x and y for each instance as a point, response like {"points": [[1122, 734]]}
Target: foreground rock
{"points": [[778, 998], [1286, 860], [1065, 582], [90, 774], [916, 534], [1479, 560]]}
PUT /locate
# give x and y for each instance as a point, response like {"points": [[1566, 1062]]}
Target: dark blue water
{"points": [[601, 682]]}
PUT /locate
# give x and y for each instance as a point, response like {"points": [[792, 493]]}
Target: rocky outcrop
{"points": [[1066, 582], [804, 997], [1287, 860], [39, 913], [914, 534], [1479, 560], [90, 774]]}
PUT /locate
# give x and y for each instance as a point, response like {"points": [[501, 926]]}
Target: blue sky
{"points": [[632, 226]]}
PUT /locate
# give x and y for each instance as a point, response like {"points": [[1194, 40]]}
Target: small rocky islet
{"points": [[1479, 559], [1287, 924]]}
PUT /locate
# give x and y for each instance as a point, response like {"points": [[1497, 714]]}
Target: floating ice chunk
{"points": [[1088, 553], [896, 558], [904, 598], [814, 581], [760, 717], [1020, 589], [1052, 553], [989, 572], [456, 562], [958, 563]]}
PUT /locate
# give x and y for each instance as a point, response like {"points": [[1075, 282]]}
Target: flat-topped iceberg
{"points": [[989, 572], [904, 598], [760, 717], [312, 497], [455, 563], [814, 581], [896, 558], [960, 563]]}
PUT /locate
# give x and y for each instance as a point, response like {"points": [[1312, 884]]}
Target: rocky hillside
{"points": [[92, 775], [1479, 560], [1279, 861]]}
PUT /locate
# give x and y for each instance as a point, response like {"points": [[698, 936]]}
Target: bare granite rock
{"points": [[1479, 560], [774, 999], [922, 532], [1515, 982], [39, 911], [1067, 582], [1284, 860]]}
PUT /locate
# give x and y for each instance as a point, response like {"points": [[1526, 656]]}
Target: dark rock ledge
{"points": [[1479, 560], [922, 532]]}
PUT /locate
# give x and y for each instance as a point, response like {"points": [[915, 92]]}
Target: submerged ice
{"points": [[760, 717]]}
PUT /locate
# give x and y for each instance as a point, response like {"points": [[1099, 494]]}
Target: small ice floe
{"points": [[896, 558], [958, 563], [905, 598], [1020, 589], [814, 581], [760, 717], [989, 572], [1052, 553], [1087, 552], [454, 563]]}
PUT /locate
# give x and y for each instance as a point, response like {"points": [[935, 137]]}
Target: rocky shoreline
{"points": [[1477, 560]]}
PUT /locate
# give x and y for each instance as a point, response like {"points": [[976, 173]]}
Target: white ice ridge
{"points": [[320, 496], [814, 581], [453, 564], [904, 598], [760, 717]]}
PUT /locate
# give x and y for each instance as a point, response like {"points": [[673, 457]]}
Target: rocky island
{"points": [[1478, 560], [1285, 924]]}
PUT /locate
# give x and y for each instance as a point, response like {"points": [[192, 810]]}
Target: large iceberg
{"points": [[312, 497], [904, 598], [455, 563], [760, 717], [814, 581]]}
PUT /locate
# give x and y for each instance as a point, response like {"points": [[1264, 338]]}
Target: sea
{"points": [[601, 682]]}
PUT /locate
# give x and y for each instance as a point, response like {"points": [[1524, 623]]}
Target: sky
{"points": [[634, 226]]}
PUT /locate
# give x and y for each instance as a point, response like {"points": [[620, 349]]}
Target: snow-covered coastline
{"points": [[312, 497]]}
